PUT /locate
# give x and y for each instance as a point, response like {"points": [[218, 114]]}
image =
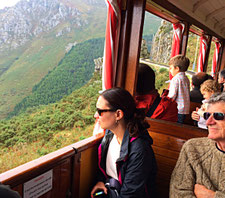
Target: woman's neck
{"points": [[119, 131]]}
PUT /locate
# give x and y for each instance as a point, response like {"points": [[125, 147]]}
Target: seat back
{"points": [[168, 139], [188, 120]]}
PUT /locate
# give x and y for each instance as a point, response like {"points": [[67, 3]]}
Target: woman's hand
{"points": [[97, 187], [194, 115]]}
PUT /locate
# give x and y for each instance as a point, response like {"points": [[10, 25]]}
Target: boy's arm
{"points": [[173, 90]]}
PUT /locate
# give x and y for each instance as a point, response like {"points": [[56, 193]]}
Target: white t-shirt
{"points": [[112, 155], [202, 121]]}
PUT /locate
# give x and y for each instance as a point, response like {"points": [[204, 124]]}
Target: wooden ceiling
{"points": [[208, 15]]}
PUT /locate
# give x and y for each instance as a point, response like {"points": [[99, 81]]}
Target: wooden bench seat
{"points": [[168, 139], [188, 120]]}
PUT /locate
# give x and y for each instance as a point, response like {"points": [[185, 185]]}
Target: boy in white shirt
{"points": [[180, 86]]}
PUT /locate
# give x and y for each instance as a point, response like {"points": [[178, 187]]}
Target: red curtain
{"points": [[111, 46], [215, 58], [178, 30], [111, 43], [202, 53]]}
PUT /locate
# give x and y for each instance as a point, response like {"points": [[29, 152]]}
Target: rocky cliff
{"points": [[162, 42], [31, 18]]}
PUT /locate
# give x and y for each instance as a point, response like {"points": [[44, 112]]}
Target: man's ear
{"points": [[119, 114]]}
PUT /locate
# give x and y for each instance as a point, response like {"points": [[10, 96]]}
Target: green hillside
{"points": [[151, 24], [23, 68], [73, 71], [48, 128]]}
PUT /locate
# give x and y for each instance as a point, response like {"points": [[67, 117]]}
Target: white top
{"points": [[180, 91], [202, 121], [112, 155]]}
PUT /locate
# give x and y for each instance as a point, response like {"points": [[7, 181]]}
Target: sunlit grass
{"points": [[19, 154]]}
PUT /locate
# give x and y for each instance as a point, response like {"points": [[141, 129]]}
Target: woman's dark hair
{"points": [[119, 98], [146, 79]]}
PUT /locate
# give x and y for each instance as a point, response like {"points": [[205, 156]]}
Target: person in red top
{"points": [[147, 97]]}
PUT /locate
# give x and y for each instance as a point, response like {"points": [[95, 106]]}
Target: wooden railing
{"points": [[69, 172]]}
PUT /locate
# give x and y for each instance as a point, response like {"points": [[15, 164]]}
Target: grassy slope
{"points": [[73, 71], [30, 64], [41, 55], [48, 128]]}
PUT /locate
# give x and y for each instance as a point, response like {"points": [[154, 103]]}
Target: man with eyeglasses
{"points": [[200, 169]]}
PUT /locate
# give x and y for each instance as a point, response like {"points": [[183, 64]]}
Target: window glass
{"points": [[193, 51], [211, 54], [156, 47], [50, 74]]}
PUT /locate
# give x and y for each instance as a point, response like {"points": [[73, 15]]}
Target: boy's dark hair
{"points": [[146, 79], [199, 78], [180, 61], [222, 73]]}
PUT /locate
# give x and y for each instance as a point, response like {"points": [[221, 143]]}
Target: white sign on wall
{"points": [[38, 186]]}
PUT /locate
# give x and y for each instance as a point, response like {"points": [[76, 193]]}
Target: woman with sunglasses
{"points": [[125, 153], [200, 169]]}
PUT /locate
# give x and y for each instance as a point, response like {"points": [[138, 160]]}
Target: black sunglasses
{"points": [[100, 111], [216, 115]]}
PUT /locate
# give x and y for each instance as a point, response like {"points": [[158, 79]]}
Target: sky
{"points": [[8, 3]]}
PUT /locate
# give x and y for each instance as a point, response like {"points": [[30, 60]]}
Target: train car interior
{"points": [[71, 171]]}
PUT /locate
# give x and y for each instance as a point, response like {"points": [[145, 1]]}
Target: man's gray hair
{"points": [[218, 97]]}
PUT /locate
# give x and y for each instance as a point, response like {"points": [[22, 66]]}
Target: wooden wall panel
{"points": [[168, 139], [88, 171], [68, 168], [19, 189], [135, 44]]}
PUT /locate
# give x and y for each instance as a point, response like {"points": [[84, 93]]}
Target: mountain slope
{"points": [[73, 111], [49, 29], [49, 127], [36, 34], [73, 71]]}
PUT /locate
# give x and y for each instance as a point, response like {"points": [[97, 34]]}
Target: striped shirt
{"points": [[180, 91]]}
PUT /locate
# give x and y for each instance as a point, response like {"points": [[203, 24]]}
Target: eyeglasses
{"points": [[216, 115], [100, 111]]}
